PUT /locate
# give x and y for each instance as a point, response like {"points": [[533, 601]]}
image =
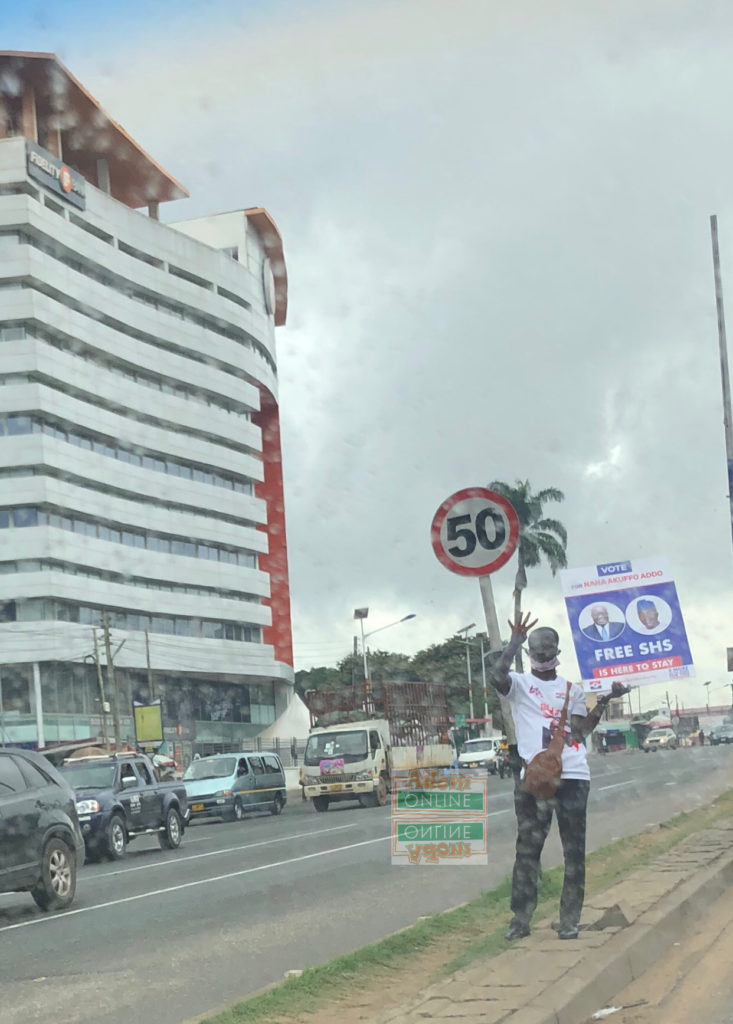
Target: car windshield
{"points": [[350, 746], [475, 746], [214, 768], [657, 734], [89, 776]]}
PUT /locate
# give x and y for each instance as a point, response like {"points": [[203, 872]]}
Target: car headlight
{"points": [[223, 792], [364, 777], [87, 807]]}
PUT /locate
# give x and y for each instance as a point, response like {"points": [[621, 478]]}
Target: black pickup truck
{"points": [[119, 797]]}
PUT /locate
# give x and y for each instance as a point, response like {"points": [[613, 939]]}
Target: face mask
{"points": [[544, 666]]}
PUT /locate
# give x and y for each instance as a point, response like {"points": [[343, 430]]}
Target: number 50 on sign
{"points": [[475, 532]]}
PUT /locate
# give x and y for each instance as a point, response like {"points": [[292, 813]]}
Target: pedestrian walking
{"points": [[537, 700], [702, 738]]}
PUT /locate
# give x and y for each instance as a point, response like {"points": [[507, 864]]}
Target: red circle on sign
{"points": [[65, 179], [482, 498]]}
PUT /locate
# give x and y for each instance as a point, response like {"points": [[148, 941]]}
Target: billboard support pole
{"points": [[723, 347]]}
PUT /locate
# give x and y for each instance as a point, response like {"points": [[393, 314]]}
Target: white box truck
{"points": [[354, 756]]}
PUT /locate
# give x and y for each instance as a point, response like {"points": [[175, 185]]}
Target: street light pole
{"points": [[361, 614], [468, 667], [707, 694], [723, 352], [482, 637]]}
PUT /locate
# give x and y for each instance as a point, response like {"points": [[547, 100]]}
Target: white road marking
{"points": [[616, 785], [190, 885], [215, 853]]}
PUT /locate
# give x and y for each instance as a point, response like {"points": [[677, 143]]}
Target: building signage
{"points": [[439, 817], [626, 623], [148, 720], [53, 174]]}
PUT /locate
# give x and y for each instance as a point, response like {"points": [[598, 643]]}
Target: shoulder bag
{"points": [[543, 773]]}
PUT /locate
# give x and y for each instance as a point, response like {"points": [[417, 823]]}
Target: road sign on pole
{"points": [[475, 532]]}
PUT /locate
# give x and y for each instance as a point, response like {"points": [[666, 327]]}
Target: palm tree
{"points": [[539, 537]]}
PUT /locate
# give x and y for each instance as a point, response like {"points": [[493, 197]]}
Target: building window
{"points": [[15, 690]]}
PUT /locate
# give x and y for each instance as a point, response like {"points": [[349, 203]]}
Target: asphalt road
{"points": [[165, 936]]}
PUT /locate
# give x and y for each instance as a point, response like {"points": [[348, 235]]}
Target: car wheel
{"points": [[320, 803], [172, 834], [56, 887], [277, 805], [116, 838], [238, 810]]}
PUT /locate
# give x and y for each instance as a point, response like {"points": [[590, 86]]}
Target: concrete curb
{"points": [[542, 981], [608, 969]]}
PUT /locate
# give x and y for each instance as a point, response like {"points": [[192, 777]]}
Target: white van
{"points": [[481, 753]]}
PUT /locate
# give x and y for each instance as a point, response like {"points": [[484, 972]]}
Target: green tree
{"points": [[446, 663], [540, 538]]}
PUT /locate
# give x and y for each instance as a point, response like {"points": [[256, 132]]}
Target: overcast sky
{"points": [[495, 221]]}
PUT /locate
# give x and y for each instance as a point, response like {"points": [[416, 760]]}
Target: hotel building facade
{"points": [[141, 488]]}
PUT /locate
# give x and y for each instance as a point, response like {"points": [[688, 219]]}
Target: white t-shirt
{"points": [[536, 704]]}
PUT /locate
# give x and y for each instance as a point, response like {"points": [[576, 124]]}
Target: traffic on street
{"points": [[242, 902]]}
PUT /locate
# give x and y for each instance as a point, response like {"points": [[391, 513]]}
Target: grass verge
{"points": [[475, 929]]}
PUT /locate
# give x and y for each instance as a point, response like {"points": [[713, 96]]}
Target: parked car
{"points": [[660, 739], [230, 785], [41, 845], [118, 797], [723, 734], [480, 753]]}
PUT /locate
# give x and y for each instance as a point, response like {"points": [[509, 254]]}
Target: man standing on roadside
{"points": [[536, 699]]}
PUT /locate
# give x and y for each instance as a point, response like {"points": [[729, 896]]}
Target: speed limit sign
{"points": [[475, 532]]}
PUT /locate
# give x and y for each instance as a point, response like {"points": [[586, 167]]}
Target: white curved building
{"points": [[140, 468]]}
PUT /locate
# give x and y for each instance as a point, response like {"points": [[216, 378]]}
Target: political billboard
{"points": [[627, 624]]}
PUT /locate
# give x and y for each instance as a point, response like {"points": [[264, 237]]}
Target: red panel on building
{"points": [[275, 562]]}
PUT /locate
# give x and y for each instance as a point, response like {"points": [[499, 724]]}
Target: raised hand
{"points": [[522, 626], [618, 690]]}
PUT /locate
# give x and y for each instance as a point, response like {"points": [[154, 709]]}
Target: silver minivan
{"points": [[231, 785]]}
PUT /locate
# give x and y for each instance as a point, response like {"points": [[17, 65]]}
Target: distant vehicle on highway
{"points": [[42, 847], [118, 797], [723, 734], [660, 739], [481, 753], [358, 742], [230, 785]]}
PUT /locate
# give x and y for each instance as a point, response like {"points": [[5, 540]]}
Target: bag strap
{"points": [[564, 715]]}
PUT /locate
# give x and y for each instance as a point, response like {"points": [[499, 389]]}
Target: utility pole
{"points": [[470, 683], [465, 631], [725, 377], [150, 671], [483, 681], [100, 680], [112, 680]]}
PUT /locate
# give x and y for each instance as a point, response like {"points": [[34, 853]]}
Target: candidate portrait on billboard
{"points": [[649, 615], [601, 621]]}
